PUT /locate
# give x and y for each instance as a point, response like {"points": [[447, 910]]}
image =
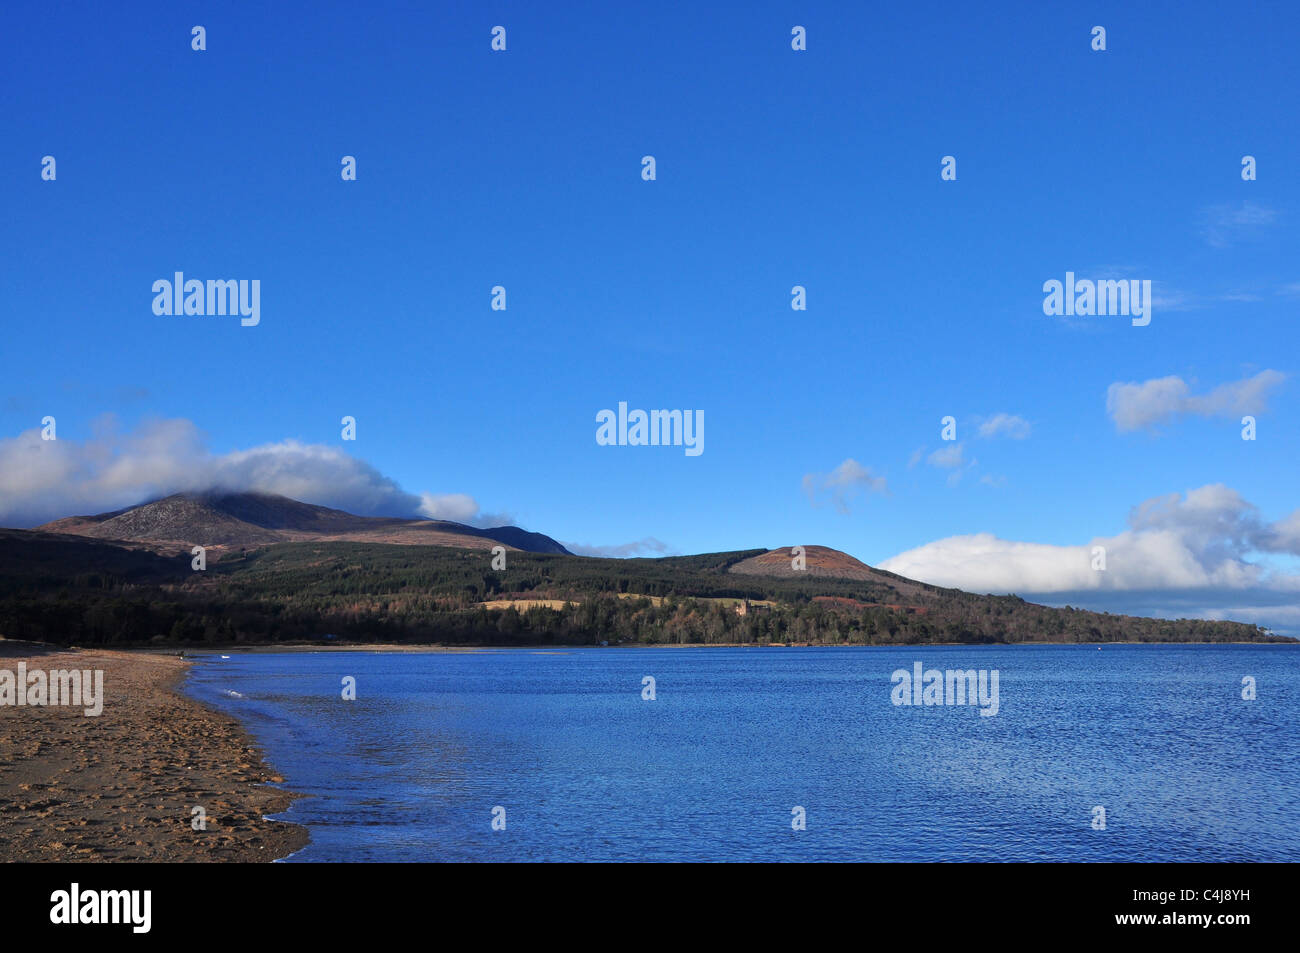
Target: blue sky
{"points": [[775, 168]]}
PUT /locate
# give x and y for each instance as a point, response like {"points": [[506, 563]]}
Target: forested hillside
{"points": [[69, 591]]}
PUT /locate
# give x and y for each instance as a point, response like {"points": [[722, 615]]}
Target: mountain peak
{"points": [[822, 561], [224, 519]]}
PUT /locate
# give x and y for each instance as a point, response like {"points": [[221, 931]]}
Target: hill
{"points": [[76, 590], [224, 521], [824, 563]]}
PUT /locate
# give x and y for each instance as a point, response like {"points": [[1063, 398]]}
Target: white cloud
{"points": [[1134, 406], [951, 457], [1165, 299], [1207, 541], [43, 480], [843, 483], [947, 458], [1282, 536], [1222, 225], [457, 507], [642, 547], [1011, 426], [984, 563]]}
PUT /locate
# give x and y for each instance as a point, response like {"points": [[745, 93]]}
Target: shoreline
{"points": [[400, 649], [123, 785]]}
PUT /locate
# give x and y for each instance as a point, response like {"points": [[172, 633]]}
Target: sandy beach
{"points": [[123, 785]]}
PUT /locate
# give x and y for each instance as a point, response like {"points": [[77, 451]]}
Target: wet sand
{"points": [[122, 786]]}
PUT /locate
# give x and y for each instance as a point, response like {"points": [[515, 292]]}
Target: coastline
{"points": [[123, 785], [420, 648]]}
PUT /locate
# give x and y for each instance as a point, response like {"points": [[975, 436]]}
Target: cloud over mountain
{"points": [[649, 546], [1184, 550], [42, 480]]}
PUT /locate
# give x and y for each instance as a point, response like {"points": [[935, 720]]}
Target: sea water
{"points": [[1131, 753]]}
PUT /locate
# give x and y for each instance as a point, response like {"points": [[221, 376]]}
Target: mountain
{"points": [[285, 570], [223, 521], [823, 562]]}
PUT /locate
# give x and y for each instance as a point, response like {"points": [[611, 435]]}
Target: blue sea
{"points": [[741, 746]]}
